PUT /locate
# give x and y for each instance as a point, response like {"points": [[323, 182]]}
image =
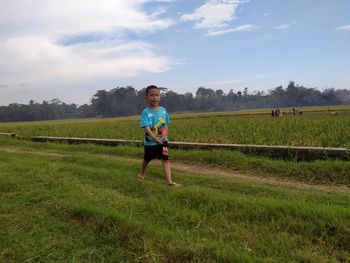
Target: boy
{"points": [[155, 119]]}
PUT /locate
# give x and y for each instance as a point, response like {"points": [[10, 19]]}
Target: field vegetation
{"points": [[82, 203], [333, 172], [310, 129], [126, 101]]}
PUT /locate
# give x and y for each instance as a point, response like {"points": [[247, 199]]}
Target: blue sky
{"points": [[70, 49]]}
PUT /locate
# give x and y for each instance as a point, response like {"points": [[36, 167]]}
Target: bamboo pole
{"points": [[294, 152], [8, 134]]}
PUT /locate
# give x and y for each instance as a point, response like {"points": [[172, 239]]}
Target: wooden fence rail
{"points": [[291, 152], [8, 134]]}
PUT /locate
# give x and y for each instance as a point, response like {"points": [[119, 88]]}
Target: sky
{"points": [[70, 49]]}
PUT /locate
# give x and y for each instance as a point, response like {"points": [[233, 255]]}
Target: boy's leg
{"points": [[167, 172], [143, 169], [148, 155]]}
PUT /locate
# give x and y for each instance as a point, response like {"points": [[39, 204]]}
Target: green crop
{"points": [[311, 129]]}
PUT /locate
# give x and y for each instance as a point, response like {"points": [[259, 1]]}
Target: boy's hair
{"points": [[151, 87]]}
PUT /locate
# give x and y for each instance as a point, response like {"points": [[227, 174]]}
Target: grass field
{"points": [[311, 129], [317, 171], [84, 204]]}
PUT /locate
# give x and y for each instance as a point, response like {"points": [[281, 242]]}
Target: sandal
{"points": [[139, 177], [173, 184]]}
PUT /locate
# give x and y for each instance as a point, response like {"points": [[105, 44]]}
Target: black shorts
{"points": [[154, 152]]}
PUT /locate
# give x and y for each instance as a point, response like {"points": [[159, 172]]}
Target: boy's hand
{"points": [[159, 142], [154, 138], [163, 132]]}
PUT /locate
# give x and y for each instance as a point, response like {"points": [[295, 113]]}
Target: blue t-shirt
{"points": [[157, 120]]}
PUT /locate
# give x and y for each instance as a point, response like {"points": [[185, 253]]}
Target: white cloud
{"points": [[36, 60], [158, 13], [32, 51], [214, 13], [284, 26], [36, 16], [343, 28], [237, 84], [237, 29], [261, 76]]}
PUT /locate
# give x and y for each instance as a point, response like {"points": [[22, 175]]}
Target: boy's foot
{"points": [[140, 177], [175, 185]]}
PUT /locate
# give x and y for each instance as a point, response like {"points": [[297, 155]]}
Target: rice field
{"points": [[310, 129], [83, 203]]}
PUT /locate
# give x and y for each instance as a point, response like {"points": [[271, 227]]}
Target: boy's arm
{"points": [[154, 138]]}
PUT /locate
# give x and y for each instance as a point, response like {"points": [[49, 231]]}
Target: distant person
{"points": [[278, 113], [155, 120]]}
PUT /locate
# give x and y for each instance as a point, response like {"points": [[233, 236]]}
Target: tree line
{"points": [[124, 101]]}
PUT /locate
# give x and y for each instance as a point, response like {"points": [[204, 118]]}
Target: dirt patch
{"points": [[264, 179], [29, 151], [254, 178]]}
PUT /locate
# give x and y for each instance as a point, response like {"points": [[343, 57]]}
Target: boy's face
{"points": [[153, 97]]}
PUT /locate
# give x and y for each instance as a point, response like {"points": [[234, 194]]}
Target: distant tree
{"points": [[245, 92], [122, 101], [100, 103], [172, 101], [205, 93], [219, 92], [86, 111]]}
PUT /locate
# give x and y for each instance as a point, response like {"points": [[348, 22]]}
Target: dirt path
{"points": [[206, 170], [33, 152]]}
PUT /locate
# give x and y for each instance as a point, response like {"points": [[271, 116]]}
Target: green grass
{"points": [[319, 171], [86, 206], [248, 112], [312, 129]]}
